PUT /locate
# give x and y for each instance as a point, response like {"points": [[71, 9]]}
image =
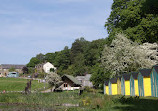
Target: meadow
{"points": [[18, 84], [71, 101], [90, 100]]}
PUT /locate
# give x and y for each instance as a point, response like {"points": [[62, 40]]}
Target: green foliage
{"points": [[77, 60], [34, 61], [136, 18], [25, 70], [52, 70], [12, 69], [99, 76], [40, 57]]}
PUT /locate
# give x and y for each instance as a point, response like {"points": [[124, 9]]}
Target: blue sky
{"points": [[30, 27]]}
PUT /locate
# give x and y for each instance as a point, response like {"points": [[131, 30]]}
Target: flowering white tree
{"points": [[54, 80], [123, 55]]}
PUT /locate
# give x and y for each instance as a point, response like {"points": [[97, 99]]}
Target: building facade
{"points": [[85, 80], [4, 69], [45, 67], [70, 83]]}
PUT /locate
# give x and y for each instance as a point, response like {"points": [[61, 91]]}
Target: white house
{"points": [[45, 67]]}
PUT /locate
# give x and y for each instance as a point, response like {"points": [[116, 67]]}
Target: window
{"points": [[65, 85]]}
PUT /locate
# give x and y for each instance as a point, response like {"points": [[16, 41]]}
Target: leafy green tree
{"points": [[78, 46], [50, 57], [99, 76], [34, 61], [40, 57], [133, 18], [25, 70]]}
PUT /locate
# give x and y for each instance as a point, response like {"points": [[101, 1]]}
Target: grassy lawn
{"points": [[89, 101], [17, 84]]}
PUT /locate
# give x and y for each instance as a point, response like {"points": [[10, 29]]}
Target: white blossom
{"points": [[123, 55]]}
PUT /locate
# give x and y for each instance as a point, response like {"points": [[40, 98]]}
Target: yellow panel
{"points": [[147, 87], [136, 87], [114, 89], [127, 87], [107, 90]]}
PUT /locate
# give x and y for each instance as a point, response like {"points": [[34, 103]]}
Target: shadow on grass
{"points": [[136, 104]]}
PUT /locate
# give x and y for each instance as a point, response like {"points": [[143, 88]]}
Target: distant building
{"points": [[45, 67], [85, 80], [70, 83], [4, 68]]}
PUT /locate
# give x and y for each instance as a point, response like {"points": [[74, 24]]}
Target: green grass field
{"points": [[17, 84], [89, 101]]}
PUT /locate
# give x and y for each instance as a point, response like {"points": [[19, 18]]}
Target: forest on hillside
{"points": [[131, 44]]}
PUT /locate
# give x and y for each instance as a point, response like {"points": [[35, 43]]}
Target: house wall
{"points": [[47, 67], [127, 87], [114, 89], [136, 87], [4, 72], [147, 86], [70, 85], [107, 90]]}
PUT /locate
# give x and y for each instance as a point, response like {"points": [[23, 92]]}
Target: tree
{"points": [[12, 69], [99, 76], [40, 57], [78, 46], [125, 56], [54, 80], [25, 70], [34, 61], [50, 57], [136, 18]]}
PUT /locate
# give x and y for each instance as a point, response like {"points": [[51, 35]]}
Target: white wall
{"points": [[47, 66]]}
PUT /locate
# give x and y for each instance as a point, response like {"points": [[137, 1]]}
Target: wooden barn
{"points": [[125, 84], [118, 84], [134, 84], [154, 81], [144, 82], [113, 82], [106, 88]]}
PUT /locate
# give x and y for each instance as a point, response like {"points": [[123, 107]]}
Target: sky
{"points": [[30, 27]]}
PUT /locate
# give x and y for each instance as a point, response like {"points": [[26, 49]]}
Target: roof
{"points": [[113, 80], [134, 75], [8, 66], [106, 83], [73, 79], [145, 72], [156, 68], [126, 76], [118, 77], [86, 77]]}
